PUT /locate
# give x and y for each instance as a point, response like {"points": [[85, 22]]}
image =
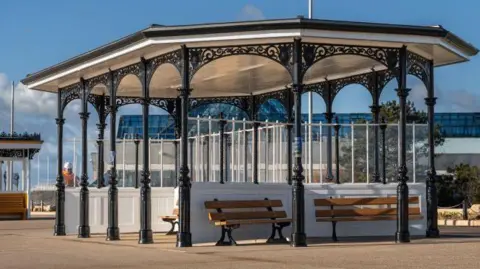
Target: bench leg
{"points": [[334, 231], [227, 230], [172, 230], [277, 227]]}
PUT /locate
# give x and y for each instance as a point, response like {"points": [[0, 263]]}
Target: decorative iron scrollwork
{"points": [[20, 136], [280, 96], [174, 58], [102, 79], [70, 93], [418, 67], [313, 53], [18, 153], [241, 102], [133, 69], [166, 104], [280, 53], [365, 80]]}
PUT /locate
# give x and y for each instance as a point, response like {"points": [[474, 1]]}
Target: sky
{"points": [[37, 34]]}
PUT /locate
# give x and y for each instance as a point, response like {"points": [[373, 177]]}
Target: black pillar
{"points": [[59, 228], [337, 152], [145, 235], [221, 127], [375, 109], [289, 136], [113, 232], [432, 199], [383, 127], [402, 235], [136, 142], [184, 237], [255, 152], [177, 136], [329, 117], [299, 238], [84, 227], [191, 140], [101, 133]]}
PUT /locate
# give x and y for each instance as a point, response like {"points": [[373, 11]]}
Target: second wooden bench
{"points": [[230, 215]]}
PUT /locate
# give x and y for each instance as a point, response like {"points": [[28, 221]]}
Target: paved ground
{"points": [[30, 244]]}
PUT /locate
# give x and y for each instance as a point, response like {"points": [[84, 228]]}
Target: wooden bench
{"points": [[233, 213], [360, 209], [172, 219], [13, 204]]}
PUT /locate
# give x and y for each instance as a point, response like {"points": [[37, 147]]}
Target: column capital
{"points": [[430, 101], [84, 115], [375, 108], [297, 88], [184, 92], [101, 126], [60, 121], [403, 92]]}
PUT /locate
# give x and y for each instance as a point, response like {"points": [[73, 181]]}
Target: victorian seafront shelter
{"points": [[246, 64]]}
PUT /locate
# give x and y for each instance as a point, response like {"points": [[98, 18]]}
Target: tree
{"points": [[390, 112]]}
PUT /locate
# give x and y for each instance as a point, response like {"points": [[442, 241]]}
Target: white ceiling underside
{"points": [[244, 74]]}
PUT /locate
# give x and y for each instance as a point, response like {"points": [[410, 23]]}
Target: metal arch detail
{"points": [[133, 69], [280, 96], [320, 88], [418, 67], [70, 93], [281, 53], [166, 104], [313, 53], [241, 102], [365, 80], [384, 77], [174, 58]]}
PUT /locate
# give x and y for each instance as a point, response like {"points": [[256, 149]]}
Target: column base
{"points": [[299, 240], [84, 231], [402, 237], [113, 234], [433, 233], [184, 240], [145, 237], [59, 230]]}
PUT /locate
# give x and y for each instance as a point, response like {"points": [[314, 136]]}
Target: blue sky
{"points": [[36, 34]]}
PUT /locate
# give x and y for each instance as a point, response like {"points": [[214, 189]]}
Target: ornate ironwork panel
{"points": [[100, 79], [166, 104], [20, 136], [280, 96], [365, 80], [242, 102], [280, 53], [384, 77], [418, 67], [174, 58], [313, 53], [70, 93], [320, 88], [119, 74], [18, 153]]}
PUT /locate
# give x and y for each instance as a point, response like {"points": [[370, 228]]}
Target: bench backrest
{"points": [[349, 207], [244, 209], [13, 200]]}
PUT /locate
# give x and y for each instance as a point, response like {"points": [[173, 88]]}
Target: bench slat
{"points": [[362, 201], [363, 212], [367, 218], [214, 216], [242, 204], [251, 221]]}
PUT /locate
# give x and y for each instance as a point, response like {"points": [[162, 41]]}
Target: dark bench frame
{"points": [[278, 223], [173, 220], [339, 215]]}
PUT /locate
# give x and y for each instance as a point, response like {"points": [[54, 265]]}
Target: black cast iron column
{"points": [[145, 235], [177, 129], [375, 109], [337, 152], [221, 127], [299, 238], [289, 137], [84, 227], [137, 142], [113, 232], [329, 118], [402, 235], [101, 133], [59, 228], [383, 127], [184, 237], [432, 199]]}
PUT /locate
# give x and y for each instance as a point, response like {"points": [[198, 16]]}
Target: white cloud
{"points": [[250, 12]]}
